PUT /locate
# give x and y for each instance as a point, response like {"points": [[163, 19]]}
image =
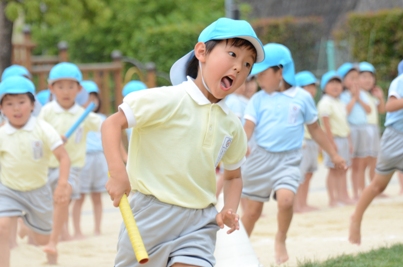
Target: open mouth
{"points": [[226, 83]]}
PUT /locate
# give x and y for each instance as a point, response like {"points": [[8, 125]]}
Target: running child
{"points": [[180, 134], [333, 118], [357, 110], [64, 83], [376, 102], [390, 157], [276, 116], [310, 150], [94, 175], [26, 144]]}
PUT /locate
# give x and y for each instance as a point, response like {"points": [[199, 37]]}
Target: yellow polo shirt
{"points": [[62, 120], [372, 117], [25, 154], [336, 111], [178, 139]]}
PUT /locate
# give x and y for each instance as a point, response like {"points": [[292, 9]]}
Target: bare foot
{"points": [[65, 237], [79, 236], [355, 232], [348, 201], [97, 232], [280, 250], [51, 254]]}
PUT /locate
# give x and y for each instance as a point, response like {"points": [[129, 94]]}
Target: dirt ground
{"points": [[316, 235]]}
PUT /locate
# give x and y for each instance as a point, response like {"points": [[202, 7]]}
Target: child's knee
{"points": [[285, 200]]}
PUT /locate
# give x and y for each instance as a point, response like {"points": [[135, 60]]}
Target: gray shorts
{"points": [[343, 149], [264, 172], [390, 156], [34, 206], [360, 139], [373, 140], [94, 175], [171, 234], [53, 178], [309, 162]]}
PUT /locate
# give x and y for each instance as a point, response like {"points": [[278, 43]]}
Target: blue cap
{"points": [[221, 29], [133, 86], [327, 77], [277, 55], [305, 78], [15, 70], [65, 71], [82, 97], [90, 87], [366, 66], [400, 68], [43, 96], [346, 68], [16, 85]]}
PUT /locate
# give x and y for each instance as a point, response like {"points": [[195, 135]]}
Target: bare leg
{"points": [[285, 201], [13, 234], [343, 193], [362, 162], [77, 206], [370, 192], [97, 204], [5, 230], [354, 176], [371, 165], [252, 212], [332, 188], [400, 176]]}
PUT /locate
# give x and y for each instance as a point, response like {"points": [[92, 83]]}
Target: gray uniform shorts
{"points": [[53, 178], [171, 234], [360, 139], [34, 206], [264, 172], [94, 175], [343, 149], [390, 156], [373, 140], [309, 162]]}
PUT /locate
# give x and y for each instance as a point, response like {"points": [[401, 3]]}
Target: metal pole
{"points": [[228, 8], [330, 55]]}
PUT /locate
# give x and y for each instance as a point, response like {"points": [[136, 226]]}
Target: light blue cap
{"points": [[90, 87], [366, 66], [133, 86], [15, 70], [16, 85], [400, 68], [277, 55], [346, 68], [327, 77], [221, 29], [82, 97], [305, 78], [65, 71], [43, 96]]}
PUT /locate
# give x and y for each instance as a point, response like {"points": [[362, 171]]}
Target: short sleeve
{"points": [[250, 110], [234, 157], [396, 89], [52, 138], [324, 108], [311, 113], [93, 122]]}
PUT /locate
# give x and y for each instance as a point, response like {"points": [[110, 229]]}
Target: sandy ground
{"points": [[316, 235]]}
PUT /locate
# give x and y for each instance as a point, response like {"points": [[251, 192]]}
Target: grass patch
{"points": [[382, 257]]}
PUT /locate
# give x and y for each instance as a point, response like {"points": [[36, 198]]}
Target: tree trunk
{"points": [[6, 33]]}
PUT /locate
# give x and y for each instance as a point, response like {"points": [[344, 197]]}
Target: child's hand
{"points": [[339, 162], [62, 193], [117, 185], [229, 218], [377, 92]]}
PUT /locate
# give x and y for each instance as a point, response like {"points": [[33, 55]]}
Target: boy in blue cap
{"points": [[64, 83], [180, 134], [26, 145], [276, 116]]}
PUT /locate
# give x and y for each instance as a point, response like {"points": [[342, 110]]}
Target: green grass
{"points": [[383, 257]]}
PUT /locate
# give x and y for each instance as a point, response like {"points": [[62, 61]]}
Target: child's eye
{"points": [[248, 65], [232, 54]]}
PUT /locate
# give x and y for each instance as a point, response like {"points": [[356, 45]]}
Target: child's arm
{"points": [[394, 104], [323, 141], [249, 128], [232, 195], [63, 190], [118, 183], [328, 131], [364, 105]]}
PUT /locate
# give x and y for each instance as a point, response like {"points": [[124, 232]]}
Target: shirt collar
{"points": [[291, 92], [200, 98], [59, 109], [29, 126]]}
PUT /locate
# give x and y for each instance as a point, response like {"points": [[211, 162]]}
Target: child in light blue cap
{"points": [[180, 134], [358, 109], [276, 116], [310, 150], [15, 70]]}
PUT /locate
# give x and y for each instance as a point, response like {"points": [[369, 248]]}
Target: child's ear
{"points": [[200, 51]]}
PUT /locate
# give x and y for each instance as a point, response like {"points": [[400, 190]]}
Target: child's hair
{"points": [[193, 65], [29, 94], [286, 84], [99, 102]]}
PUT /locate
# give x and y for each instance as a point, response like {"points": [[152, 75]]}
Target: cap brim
{"points": [[50, 81], [177, 74]]}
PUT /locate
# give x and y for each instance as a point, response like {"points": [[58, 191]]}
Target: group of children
{"points": [[181, 133]]}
